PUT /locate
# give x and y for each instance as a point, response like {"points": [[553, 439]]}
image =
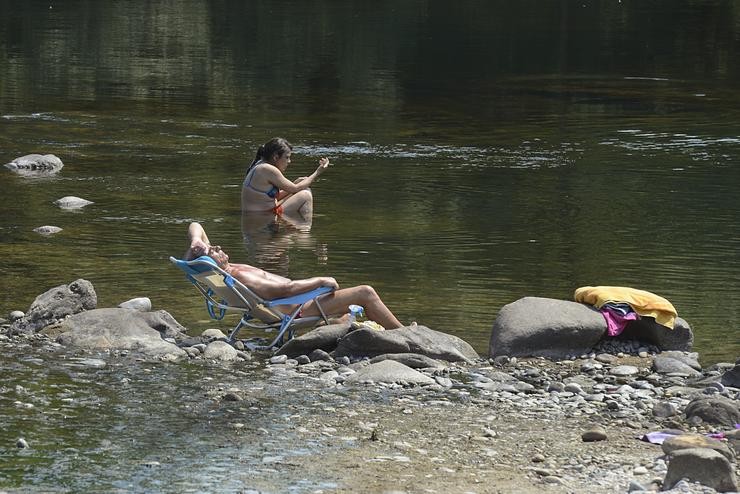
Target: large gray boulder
{"points": [[688, 441], [120, 329], [323, 338], [716, 410], [545, 327], [56, 304], [702, 465], [36, 164], [366, 342], [732, 377]]}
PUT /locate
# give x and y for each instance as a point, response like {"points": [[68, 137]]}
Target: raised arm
{"points": [[278, 179], [198, 242]]}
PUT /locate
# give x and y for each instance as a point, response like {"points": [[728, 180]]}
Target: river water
{"points": [[483, 151]]}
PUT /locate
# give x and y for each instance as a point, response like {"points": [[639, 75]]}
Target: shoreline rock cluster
{"points": [[626, 384]]}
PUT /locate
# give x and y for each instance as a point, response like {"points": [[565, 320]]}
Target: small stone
{"points": [[445, 382], [596, 433], [574, 388], [302, 359], [213, 334], [605, 358], [640, 470], [329, 375], [556, 387], [278, 359], [635, 487], [21, 443], [142, 304], [538, 458], [47, 230], [552, 479], [664, 409], [319, 355], [15, 315], [624, 370]]}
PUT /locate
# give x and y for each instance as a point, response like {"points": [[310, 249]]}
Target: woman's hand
{"points": [[323, 165]]}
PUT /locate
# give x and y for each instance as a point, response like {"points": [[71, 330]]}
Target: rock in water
{"points": [[47, 230], [72, 202], [36, 164]]}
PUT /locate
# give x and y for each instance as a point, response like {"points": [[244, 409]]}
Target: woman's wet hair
{"points": [[276, 145]]}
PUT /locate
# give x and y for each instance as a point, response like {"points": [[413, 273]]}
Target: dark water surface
{"points": [[484, 150]]}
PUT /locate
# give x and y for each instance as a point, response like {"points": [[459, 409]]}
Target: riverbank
{"points": [[293, 425]]}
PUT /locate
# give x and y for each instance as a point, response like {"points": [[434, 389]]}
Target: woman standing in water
{"points": [[265, 187]]}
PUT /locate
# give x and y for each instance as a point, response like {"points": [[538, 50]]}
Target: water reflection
{"points": [[269, 239]]}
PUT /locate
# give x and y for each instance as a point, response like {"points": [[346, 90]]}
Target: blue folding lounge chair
{"points": [[223, 293]]}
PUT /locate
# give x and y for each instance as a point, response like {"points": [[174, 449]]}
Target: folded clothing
{"points": [[646, 304]]}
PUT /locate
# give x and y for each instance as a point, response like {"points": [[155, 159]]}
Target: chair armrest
{"points": [[300, 298]]}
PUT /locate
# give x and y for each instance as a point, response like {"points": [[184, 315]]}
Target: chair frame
{"points": [[286, 324]]}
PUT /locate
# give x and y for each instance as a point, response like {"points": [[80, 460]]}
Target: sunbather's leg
{"points": [[300, 202], [364, 295]]}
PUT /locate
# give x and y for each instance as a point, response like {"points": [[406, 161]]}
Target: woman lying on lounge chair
{"points": [[270, 286]]}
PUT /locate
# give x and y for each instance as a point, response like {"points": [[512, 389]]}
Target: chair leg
{"points": [[235, 331]]}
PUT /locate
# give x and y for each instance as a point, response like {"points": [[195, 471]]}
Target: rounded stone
{"points": [[278, 359], [15, 315], [72, 202], [594, 434], [47, 230], [624, 370]]}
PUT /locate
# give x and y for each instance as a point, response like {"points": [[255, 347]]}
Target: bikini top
{"points": [[271, 193]]}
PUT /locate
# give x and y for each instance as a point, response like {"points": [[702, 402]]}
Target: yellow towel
{"points": [[642, 302]]}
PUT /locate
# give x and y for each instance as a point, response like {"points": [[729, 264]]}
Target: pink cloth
{"points": [[616, 321]]}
